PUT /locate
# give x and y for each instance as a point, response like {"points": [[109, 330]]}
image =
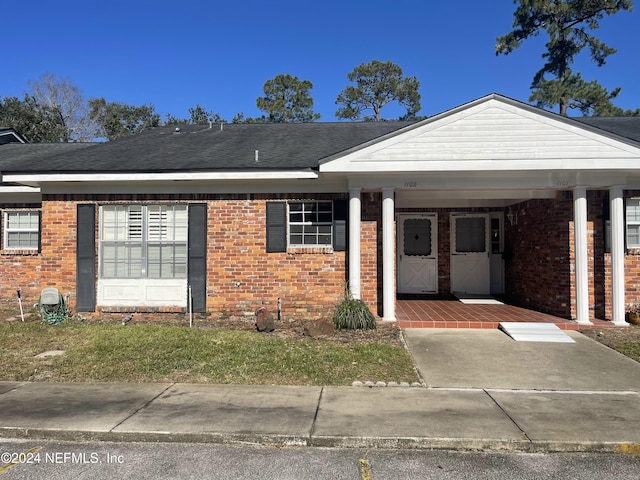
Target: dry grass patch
{"points": [[212, 353], [625, 340]]}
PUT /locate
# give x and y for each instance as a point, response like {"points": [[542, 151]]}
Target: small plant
{"points": [[353, 313], [633, 313]]}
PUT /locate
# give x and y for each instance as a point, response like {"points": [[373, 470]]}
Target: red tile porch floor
{"points": [[451, 313]]}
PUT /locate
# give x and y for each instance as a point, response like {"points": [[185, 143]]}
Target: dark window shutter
{"points": [[86, 259], [340, 225], [276, 227], [197, 266]]}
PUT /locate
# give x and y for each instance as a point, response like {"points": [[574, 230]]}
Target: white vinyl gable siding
{"points": [[492, 135]]}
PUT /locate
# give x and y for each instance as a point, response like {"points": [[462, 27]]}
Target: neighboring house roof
{"points": [[201, 148], [35, 156], [9, 135]]}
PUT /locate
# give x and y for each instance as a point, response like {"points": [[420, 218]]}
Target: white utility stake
{"points": [[20, 302]]}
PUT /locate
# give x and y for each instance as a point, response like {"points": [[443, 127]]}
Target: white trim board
{"points": [[535, 332]]}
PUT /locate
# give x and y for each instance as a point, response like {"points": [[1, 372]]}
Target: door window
{"points": [[417, 236], [470, 234]]}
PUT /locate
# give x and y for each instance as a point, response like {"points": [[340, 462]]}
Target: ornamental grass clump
{"points": [[353, 313]]}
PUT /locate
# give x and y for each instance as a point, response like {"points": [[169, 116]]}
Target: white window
{"points": [[143, 241], [310, 223], [21, 230], [633, 222]]}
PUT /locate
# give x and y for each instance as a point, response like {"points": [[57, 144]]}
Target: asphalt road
{"points": [[96, 461]]}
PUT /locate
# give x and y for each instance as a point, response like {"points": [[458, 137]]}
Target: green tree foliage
{"points": [[120, 119], [378, 84], [240, 118], [173, 120], [198, 116], [62, 95], [287, 99], [36, 123], [568, 24]]}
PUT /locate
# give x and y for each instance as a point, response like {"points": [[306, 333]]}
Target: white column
{"points": [[617, 254], [355, 216], [388, 256], [581, 256]]}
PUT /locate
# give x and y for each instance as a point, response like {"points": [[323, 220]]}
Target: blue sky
{"points": [[176, 54]]}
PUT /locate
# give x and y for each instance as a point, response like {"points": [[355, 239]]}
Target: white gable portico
{"points": [[491, 153]]}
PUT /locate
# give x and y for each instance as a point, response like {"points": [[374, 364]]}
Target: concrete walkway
{"points": [[484, 391]]}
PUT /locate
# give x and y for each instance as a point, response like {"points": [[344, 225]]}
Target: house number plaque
{"points": [[410, 184]]}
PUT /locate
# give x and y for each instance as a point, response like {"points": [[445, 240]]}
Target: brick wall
{"points": [[539, 274], [241, 276], [19, 269], [631, 270], [371, 251]]}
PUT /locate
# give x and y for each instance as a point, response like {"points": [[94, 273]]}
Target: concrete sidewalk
{"points": [[452, 412]]}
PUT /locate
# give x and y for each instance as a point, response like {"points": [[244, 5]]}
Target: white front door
{"points": [[418, 253], [470, 253]]}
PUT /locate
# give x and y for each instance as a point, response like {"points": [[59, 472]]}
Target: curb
{"points": [[277, 440]]}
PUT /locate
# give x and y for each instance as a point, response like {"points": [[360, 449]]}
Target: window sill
{"points": [[310, 250], [138, 309], [19, 253]]}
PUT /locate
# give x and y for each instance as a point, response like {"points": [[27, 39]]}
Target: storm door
{"points": [[418, 253], [470, 253]]}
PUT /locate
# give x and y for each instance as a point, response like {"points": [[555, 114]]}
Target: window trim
{"points": [[7, 230], [317, 224], [145, 241], [628, 223]]}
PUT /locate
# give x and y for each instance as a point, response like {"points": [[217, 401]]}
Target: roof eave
{"points": [[37, 178]]}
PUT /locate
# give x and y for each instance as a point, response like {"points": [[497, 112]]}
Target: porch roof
{"points": [[497, 135]]}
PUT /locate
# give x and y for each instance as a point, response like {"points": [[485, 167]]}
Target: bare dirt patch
{"points": [[625, 340], [387, 333]]}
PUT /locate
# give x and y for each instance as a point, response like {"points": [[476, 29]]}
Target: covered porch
{"points": [[450, 312], [488, 198]]}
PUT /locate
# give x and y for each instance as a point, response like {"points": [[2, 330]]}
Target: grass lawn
{"points": [[624, 340], [111, 352]]}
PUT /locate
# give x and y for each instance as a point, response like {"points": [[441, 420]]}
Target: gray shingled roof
{"points": [[627, 127], [200, 148], [230, 147]]}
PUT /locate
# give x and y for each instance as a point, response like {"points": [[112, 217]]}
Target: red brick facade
{"points": [[242, 276]]}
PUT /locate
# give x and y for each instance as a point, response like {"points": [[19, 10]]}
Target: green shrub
{"points": [[353, 313]]}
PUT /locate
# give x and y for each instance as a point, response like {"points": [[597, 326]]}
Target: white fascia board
{"points": [[18, 189], [458, 166], [145, 177], [315, 185]]}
